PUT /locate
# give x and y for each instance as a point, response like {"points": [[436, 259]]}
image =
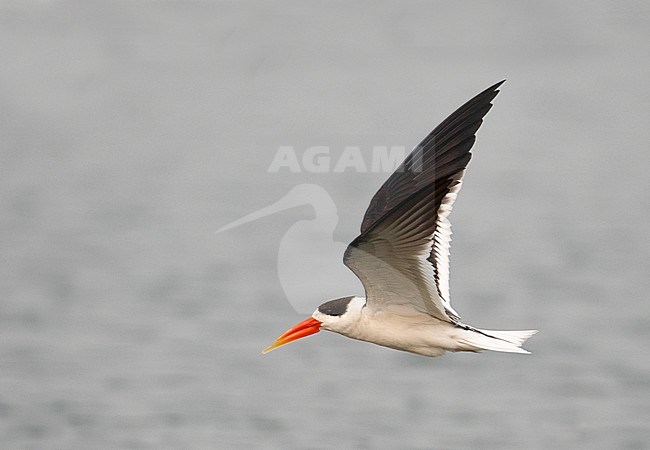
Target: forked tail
{"points": [[498, 341]]}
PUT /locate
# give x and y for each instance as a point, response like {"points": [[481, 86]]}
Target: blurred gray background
{"points": [[131, 131]]}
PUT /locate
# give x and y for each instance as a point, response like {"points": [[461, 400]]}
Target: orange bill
{"points": [[301, 330]]}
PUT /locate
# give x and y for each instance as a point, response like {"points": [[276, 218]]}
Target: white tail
{"points": [[498, 341]]}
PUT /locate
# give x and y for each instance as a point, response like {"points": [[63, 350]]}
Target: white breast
{"points": [[420, 334]]}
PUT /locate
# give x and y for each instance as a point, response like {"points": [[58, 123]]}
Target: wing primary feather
{"points": [[446, 140]]}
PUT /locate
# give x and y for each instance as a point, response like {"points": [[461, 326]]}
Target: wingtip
{"points": [[495, 87], [487, 95]]}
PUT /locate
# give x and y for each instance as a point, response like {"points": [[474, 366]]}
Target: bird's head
{"points": [[337, 315]]}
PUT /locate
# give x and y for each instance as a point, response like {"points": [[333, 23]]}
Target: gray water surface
{"points": [[131, 131]]}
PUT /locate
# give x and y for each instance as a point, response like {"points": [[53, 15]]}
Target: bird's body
{"points": [[414, 332], [402, 254], [418, 333]]}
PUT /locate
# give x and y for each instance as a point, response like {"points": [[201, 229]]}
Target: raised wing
{"points": [[444, 152], [402, 253]]}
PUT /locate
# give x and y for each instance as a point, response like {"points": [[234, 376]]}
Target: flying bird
{"points": [[402, 254]]}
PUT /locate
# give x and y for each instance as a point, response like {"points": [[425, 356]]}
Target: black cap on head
{"points": [[336, 307]]}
